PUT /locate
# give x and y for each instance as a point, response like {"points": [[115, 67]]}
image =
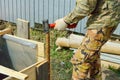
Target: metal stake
{"points": [[47, 46]]}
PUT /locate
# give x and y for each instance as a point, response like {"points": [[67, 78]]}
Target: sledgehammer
{"points": [[46, 26], [47, 44]]}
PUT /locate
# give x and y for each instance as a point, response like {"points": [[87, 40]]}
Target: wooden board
{"points": [[42, 71], [23, 28], [74, 41], [108, 64], [110, 58], [13, 73], [40, 49], [31, 71]]}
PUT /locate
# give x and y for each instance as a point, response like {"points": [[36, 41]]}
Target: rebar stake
{"points": [[47, 44]]}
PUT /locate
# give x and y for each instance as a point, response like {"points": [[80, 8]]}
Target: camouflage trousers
{"points": [[86, 60]]}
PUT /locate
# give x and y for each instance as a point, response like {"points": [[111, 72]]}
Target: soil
{"points": [[110, 75]]}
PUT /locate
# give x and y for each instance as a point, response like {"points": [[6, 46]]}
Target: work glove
{"points": [[60, 24]]}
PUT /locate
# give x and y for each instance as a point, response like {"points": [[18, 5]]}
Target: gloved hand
{"points": [[60, 24]]}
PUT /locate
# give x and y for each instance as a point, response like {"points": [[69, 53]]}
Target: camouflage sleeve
{"points": [[83, 8]]}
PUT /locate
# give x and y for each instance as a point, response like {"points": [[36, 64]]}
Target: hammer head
{"points": [[46, 26]]}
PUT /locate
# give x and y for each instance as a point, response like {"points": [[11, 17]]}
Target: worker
{"points": [[103, 18], [2, 26]]}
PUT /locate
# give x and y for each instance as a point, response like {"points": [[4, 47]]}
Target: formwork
{"points": [[22, 59]]}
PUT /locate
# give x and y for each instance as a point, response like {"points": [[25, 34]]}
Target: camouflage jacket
{"points": [[101, 13]]}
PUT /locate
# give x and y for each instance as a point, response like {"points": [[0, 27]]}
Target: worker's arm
{"points": [[82, 9]]}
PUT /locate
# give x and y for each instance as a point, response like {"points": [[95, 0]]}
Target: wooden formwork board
{"points": [[33, 72], [22, 55], [23, 27]]}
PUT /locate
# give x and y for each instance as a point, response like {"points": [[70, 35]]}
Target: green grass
{"points": [[117, 71], [61, 68]]}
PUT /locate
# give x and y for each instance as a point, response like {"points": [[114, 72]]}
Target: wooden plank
{"points": [[5, 31], [74, 41], [110, 58], [107, 64], [12, 73], [41, 50], [23, 27], [10, 78], [42, 71], [22, 41], [30, 71]]}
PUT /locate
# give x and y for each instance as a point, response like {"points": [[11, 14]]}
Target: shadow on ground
{"points": [[110, 75]]}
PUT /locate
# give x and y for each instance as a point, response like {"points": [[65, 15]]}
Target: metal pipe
{"points": [[47, 46]]}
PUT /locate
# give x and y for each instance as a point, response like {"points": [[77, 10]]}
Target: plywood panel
{"points": [[4, 56], [22, 54]]}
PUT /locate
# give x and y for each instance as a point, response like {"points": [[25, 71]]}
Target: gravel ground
{"points": [[109, 75]]}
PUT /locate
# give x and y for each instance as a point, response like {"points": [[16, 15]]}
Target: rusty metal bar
{"points": [[47, 46]]}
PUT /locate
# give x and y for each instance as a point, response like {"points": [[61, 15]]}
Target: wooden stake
{"points": [[23, 27]]}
